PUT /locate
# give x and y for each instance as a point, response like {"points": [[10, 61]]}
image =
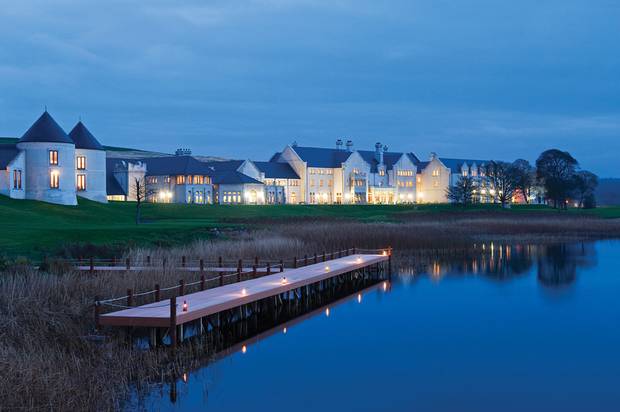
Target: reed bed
{"points": [[49, 359]]}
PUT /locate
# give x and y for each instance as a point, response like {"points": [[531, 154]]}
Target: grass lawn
{"points": [[31, 228]]}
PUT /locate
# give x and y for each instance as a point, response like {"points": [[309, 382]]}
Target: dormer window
{"points": [[53, 157], [381, 172], [81, 162], [54, 180]]}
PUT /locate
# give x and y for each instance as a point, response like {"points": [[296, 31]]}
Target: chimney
{"points": [[183, 152], [339, 144], [349, 145], [433, 156], [379, 153]]}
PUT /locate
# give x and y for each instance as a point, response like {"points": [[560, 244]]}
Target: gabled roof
{"points": [[275, 156], [8, 152], [231, 177], [389, 159], [175, 165], [113, 188], [83, 138], [455, 165], [45, 129], [322, 157], [276, 170]]}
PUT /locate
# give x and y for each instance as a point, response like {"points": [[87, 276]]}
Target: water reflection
{"points": [[556, 264]]}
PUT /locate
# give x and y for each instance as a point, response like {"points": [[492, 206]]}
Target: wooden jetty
{"points": [[169, 315]]}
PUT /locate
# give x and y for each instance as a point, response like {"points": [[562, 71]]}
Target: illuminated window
{"points": [[381, 172], [436, 172], [321, 183], [166, 179], [81, 162], [81, 182], [207, 180], [17, 179], [180, 180], [435, 183], [53, 157], [293, 197], [54, 180]]}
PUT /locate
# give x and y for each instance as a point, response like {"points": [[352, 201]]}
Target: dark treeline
{"points": [[555, 179]]}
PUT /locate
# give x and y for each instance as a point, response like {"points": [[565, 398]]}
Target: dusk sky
{"points": [[241, 79]]}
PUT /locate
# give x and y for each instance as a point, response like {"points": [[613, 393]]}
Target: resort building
{"points": [[438, 174], [48, 165], [346, 176]]}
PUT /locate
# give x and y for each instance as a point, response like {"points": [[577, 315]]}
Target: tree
{"points": [[502, 179], [141, 193], [525, 178], [555, 170], [462, 192], [584, 184]]}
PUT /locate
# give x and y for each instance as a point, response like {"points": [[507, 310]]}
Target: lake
{"points": [[510, 328]]}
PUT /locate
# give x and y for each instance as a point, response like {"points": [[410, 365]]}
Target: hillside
{"points": [[608, 192]]}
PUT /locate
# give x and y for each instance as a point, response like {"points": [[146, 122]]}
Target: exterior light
{"points": [[185, 306], [347, 197], [327, 268], [421, 195], [410, 196], [384, 253], [284, 281], [359, 260], [244, 349], [244, 292]]}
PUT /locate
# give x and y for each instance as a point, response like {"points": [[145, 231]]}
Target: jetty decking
{"points": [[190, 307]]}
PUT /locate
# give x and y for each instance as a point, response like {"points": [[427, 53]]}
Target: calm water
{"points": [[521, 328]]}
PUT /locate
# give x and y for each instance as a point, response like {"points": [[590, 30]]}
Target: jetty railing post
{"points": [[92, 265], [281, 266], [239, 269], [256, 260], [353, 250], [221, 278], [157, 293], [253, 271], [173, 322], [113, 260], [295, 262], [324, 257], [182, 261], [129, 297], [127, 264], [202, 265], [181, 287], [315, 259], [219, 261], [163, 263], [202, 282], [148, 260], [268, 268], [305, 260], [97, 312]]}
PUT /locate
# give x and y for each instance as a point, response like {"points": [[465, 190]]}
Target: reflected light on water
{"points": [[327, 312], [244, 349], [284, 331], [359, 298], [184, 377]]}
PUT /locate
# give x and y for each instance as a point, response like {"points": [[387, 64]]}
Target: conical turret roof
{"points": [[83, 138], [45, 129]]}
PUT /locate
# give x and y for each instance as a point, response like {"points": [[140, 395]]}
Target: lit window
{"points": [[81, 162], [381, 172], [180, 180], [166, 179], [81, 182], [17, 179], [54, 180], [53, 157]]}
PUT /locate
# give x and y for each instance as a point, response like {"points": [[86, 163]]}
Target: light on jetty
{"points": [[244, 292], [284, 281], [327, 268], [185, 306]]}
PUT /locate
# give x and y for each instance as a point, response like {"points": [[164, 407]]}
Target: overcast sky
{"points": [[241, 79]]}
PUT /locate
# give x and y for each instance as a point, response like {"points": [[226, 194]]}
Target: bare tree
{"points": [[141, 192], [584, 185], [462, 192], [502, 179], [525, 176]]}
